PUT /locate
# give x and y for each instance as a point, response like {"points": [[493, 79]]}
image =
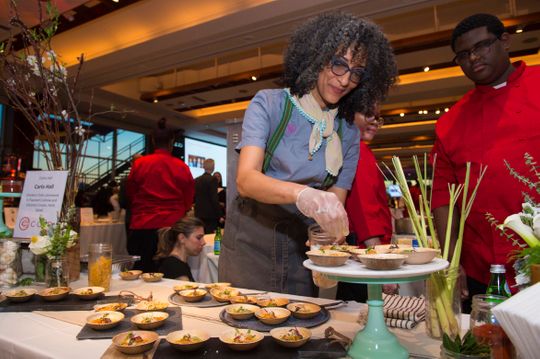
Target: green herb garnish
{"points": [[468, 345]]}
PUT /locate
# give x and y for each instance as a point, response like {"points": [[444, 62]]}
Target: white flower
{"points": [[72, 239], [32, 60], [51, 55], [536, 225], [39, 244], [80, 130], [515, 223]]}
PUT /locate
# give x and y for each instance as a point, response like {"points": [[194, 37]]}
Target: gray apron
{"points": [[264, 247]]}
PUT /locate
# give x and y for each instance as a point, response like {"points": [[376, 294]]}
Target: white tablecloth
{"points": [[32, 335], [114, 233]]}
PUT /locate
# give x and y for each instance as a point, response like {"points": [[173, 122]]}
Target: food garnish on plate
{"points": [[292, 335], [243, 337], [132, 339], [110, 307], [188, 339]]}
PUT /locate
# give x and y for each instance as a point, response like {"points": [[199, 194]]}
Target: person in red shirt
{"points": [[370, 221], [497, 120], [160, 189]]}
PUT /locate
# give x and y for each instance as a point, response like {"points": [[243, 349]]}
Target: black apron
{"points": [[263, 246]]}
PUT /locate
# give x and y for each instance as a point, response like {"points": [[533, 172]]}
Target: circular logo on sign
{"points": [[24, 223]]}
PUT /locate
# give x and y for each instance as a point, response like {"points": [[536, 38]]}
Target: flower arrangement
{"points": [[526, 224], [37, 84], [54, 239], [441, 311]]}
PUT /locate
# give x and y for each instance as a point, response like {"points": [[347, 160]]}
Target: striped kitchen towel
{"points": [[403, 312]]}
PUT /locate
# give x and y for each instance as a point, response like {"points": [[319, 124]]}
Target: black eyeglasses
{"points": [[479, 49], [339, 68], [375, 120]]}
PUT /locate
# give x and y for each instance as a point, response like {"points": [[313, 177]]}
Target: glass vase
{"points": [[57, 272], [40, 262], [443, 304]]}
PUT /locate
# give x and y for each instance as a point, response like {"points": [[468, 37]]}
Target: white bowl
{"points": [[104, 320], [20, 295], [284, 336], [149, 320], [273, 315], [88, 293], [187, 340], [241, 311], [122, 344], [241, 339]]}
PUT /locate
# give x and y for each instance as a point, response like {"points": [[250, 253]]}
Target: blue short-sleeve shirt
{"points": [[290, 160]]}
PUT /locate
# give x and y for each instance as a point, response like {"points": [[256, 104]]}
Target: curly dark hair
{"points": [[313, 45], [491, 22]]}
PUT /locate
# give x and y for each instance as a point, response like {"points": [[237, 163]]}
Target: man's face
{"points": [[482, 57]]}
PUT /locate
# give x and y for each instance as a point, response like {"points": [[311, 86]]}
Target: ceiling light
{"points": [[420, 112], [437, 112], [116, 0], [425, 112], [401, 114], [254, 78], [426, 69], [519, 29], [155, 100], [446, 109]]}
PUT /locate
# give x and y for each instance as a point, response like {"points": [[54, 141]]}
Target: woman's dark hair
{"points": [[169, 235], [313, 45], [491, 22]]}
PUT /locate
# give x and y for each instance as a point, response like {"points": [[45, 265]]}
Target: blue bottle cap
{"points": [[415, 243]]}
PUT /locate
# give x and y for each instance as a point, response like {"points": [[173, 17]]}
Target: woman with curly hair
{"points": [[299, 151]]}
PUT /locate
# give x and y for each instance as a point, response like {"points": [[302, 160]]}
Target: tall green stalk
{"points": [[443, 286]]}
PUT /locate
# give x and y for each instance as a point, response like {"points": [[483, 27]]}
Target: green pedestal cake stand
{"points": [[375, 341]]}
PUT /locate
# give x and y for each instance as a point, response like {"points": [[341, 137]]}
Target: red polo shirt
{"points": [[366, 205], [488, 126], [160, 188]]}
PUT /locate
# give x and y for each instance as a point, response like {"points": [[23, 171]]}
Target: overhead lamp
{"points": [[519, 29], [254, 78], [420, 112], [437, 111], [446, 109], [426, 69], [116, 0], [401, 114], [156, 100]]}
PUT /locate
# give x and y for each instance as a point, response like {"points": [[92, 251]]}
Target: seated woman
{"points": [[184, 238]]}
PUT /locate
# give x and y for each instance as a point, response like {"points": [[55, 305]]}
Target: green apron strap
{"points": [[278, 133], [330, 180]]}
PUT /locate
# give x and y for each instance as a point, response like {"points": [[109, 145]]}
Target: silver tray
{"points": [[207, 302]]}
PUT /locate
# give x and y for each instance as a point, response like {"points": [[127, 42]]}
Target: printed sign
{"points": [[42, 196]]}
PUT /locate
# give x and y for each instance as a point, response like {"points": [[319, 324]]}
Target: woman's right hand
{"points": [[326, 209]]}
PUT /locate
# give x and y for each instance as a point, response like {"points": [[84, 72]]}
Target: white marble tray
{"points": [[354, 269]]}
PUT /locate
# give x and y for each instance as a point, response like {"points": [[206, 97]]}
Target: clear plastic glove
{"points": [[326, 209]]}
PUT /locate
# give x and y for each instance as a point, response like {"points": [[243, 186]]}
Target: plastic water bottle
{"points": [[497, 282], [217, 242]]}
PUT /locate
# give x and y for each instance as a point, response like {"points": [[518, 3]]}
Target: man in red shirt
{"points": [[370, 221], [497, 120], [160, 189]]}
